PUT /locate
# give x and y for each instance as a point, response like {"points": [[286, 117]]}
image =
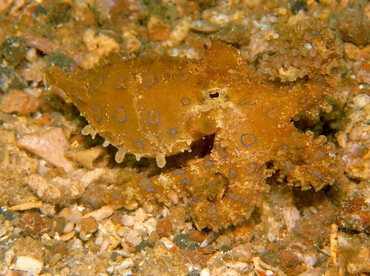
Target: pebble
{"points": [[101, 213], [55, 259], [49, 145], [140, 215], [68, 227], [55, 190], [67, 236], [89, 224], [26, 206], [9, 257], [164, 227], [128, 221], [14, 50], [153, 237], [361, 100], [10, 80], [291, 216], [19, 101], [29, 265], [205, 272]]}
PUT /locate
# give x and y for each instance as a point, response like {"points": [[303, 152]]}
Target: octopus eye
{"points": [[214, 95]]}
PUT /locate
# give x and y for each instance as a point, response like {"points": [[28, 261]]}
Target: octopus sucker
{"points": [[161, 160], [158, 106], [120, 154]]}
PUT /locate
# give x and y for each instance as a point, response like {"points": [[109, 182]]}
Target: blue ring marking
{"points": [[233, 173], [315, 32], [184, 77], [121, 117], [179, 172], [210, 186], [245, 200], [185, 180], [208, 164], [235, 197], [158, 117], [145, 183], [320, 176], [139, 145], [313, 173], [148, 80], [122, 82], [273, 113], [251, 168], [101, 83], [308, 36], [215, 219], [243, 102], [75, 94], [185, 101], [318, 155], [196, 199], [173, 132], [97, 114], [288, 164], [150, 190], [81, 75], [212, 210], [248, 135], [116, 196], [222, 152]]}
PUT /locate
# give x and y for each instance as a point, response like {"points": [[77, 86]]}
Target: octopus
{"points": [[158, 106]]}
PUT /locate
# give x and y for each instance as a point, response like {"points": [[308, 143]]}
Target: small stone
{"points": [[140, 215], [362, 69], [55, 259], [59, 224], [26, 206], [55, 190], [68, 227], [153, 237], [19, 101], [291, 216], [133, 237], [35, 224], [10, 80], [67, 236], [101, 213], [9, 257], [89, 224], [158, 29], [128, 220], [184, 241], [164, 227], [28, 264], [88, 157], [14, 50], [361, 100], [50, 145], [128, 262], [59, 13], [205, 272]]}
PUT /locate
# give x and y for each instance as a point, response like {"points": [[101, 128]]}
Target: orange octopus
{"points": [[158, 106]]}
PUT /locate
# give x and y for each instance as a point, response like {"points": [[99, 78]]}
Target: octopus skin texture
{"points": [[158, 106]]}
